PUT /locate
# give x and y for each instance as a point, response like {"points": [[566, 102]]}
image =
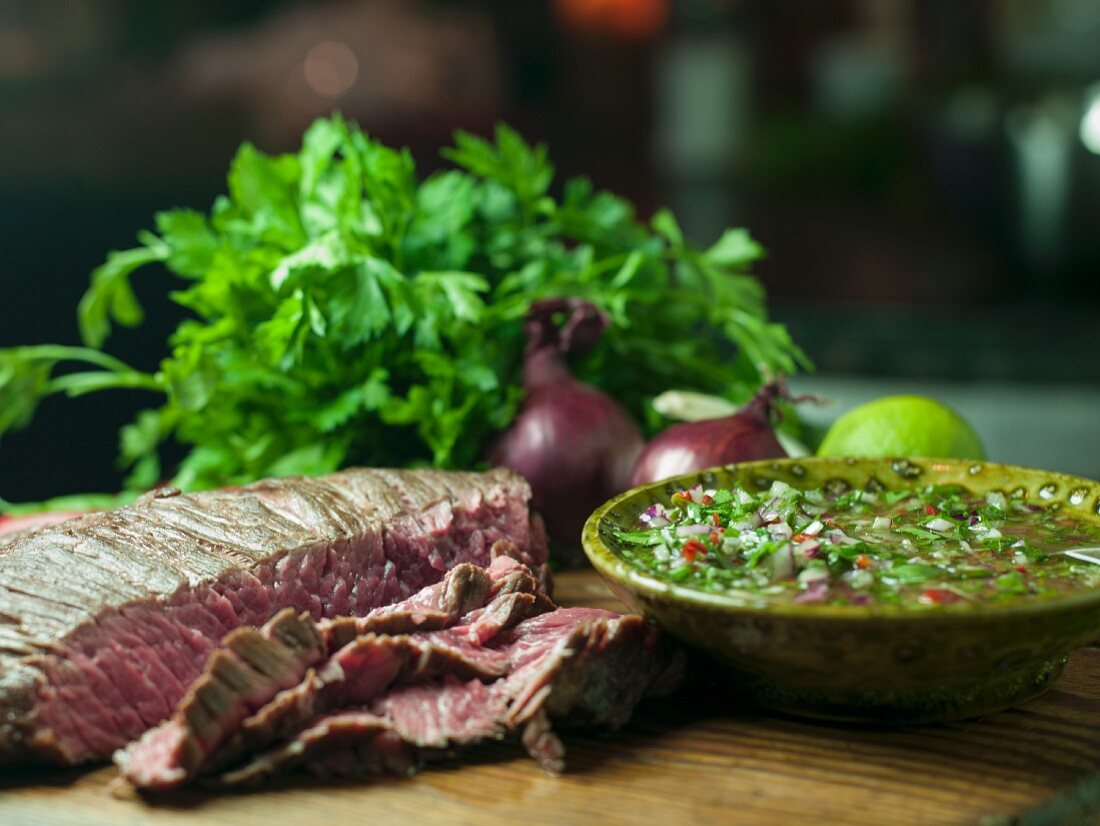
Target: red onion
{"points": [[810, 577], [841, 538], [654, 516], [817, 592], [693, 530], [783, 562], [781, 530], [808, 548], [740, 437], [574, 444]]}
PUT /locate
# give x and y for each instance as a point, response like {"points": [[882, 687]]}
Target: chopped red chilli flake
{"points": [[1021, 568], [716, 520], [931, 510], [682, 496], [799, 537], [863, 561], [693, 548], [708, 499], [940, 596], [714, 537]]}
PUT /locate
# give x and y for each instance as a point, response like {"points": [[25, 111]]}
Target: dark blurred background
{"points": [[924, 173]]}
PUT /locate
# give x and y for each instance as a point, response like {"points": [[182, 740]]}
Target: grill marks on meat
{"points": [[482, 655], [106, 619]]}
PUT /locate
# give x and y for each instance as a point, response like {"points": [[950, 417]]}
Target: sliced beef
{"points": [[13, 527], [464, 589], [108, 618], [579, 667], [345, 744], [230, 710], [511, 664], [249, 669]]}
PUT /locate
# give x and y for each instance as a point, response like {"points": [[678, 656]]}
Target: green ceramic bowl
{"points": [[851, 663]]}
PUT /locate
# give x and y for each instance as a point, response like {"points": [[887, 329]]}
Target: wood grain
{"points": [[703, 756]]}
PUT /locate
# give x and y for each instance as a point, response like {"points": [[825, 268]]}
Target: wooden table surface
{"points": [[699, 757]]}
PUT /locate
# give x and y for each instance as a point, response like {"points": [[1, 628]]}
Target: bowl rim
{"points": [[610, 566]]}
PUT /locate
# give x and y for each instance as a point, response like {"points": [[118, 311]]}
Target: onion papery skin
{"points": [[574, 444], [576, 448], [687, 447]]}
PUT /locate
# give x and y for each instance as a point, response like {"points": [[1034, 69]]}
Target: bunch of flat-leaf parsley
{"points": [[345, 312]]}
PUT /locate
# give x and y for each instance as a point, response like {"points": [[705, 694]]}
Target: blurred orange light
{"points": [[331, 69], [630, 19]]}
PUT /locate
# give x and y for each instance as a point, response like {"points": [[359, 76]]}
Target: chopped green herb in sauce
{"points": [[924, 546]]}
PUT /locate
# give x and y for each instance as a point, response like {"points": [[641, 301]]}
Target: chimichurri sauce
{"points": [[922, 546]]}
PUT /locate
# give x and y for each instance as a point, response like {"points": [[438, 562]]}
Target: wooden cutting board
{"points": [[699, 757]]}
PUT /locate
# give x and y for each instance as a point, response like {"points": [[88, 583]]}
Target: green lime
{"points": [[902, 426]]}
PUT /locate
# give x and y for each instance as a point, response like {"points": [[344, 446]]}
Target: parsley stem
{"points": [[77, 384], [57, 352]]}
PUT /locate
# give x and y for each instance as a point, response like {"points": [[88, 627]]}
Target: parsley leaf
{"points": [[344, 311]]}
